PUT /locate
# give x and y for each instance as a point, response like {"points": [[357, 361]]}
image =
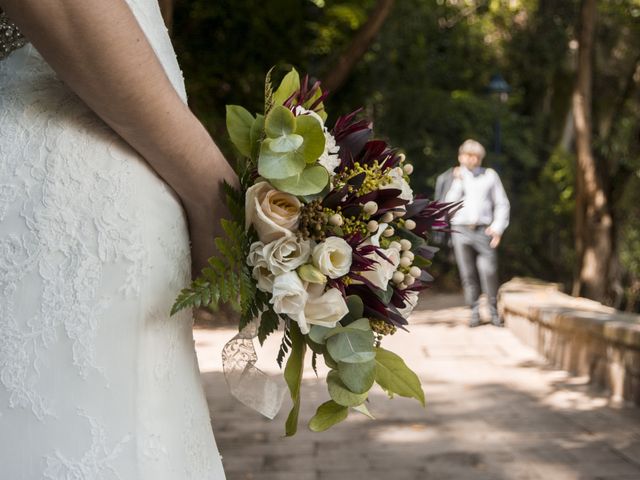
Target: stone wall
{"points": [[579, 335]]}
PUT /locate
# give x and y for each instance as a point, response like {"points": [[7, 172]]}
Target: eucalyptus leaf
{"points": [[311, 180], [327, 415], [239, 123], [277, 165], [286, 143], [314, 140], [358, 377], [289, 85], [393, 375], [341, 394], [351, 346], [317, 333], [280, 121]]}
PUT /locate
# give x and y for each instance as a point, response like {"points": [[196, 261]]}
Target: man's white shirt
{"points": [[484, 200]]}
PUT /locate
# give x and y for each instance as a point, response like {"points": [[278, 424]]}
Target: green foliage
{"points": [[341, 394], [225, 278], [293, 376], [358, 377], [393, 375], [351, 345], [327, 415]]}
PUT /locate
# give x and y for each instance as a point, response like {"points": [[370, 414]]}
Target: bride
{"points": [[105, 174]]}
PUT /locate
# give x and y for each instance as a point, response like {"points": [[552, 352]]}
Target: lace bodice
{"points": [[10, 37]]}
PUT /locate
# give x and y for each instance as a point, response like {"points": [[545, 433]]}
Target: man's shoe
{"points": [[496, 321], [475, 318], [474, 323]]}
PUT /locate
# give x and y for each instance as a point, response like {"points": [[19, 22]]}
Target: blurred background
{"points": [[431, 73]]}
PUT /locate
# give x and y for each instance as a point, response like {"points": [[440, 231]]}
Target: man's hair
{"points": [[472, 147]]}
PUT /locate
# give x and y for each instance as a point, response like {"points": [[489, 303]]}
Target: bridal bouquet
{"points": [[328, 241]]}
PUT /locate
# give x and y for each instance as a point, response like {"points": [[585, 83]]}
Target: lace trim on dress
{"points": [[10, 37]]}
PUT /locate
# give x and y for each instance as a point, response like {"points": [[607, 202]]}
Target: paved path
{"points": [[495, 411]]}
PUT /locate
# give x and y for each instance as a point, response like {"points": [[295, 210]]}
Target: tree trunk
{"points": [[594, 224], [166, 7], [340, 71]]}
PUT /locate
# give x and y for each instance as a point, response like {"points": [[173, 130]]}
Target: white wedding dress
{"points": [[97, 382]]}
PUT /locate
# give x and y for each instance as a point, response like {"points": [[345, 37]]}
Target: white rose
{"points": [[260, 271], [383, 271], [333, 257], [274, 214], [289, 297], [398, 182], [410, 303], [325, 309], [286, 254]]}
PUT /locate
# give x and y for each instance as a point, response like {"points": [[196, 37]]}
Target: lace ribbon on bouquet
{"points": [[247, 383]]}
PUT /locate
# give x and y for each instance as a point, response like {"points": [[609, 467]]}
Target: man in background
{"points": [[477, 227]]}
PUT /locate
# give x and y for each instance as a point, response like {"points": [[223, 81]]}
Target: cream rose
{"points": [[286, 254], [289, 297], [332, 257], [325, 309], [398, 182], [274, 214]]}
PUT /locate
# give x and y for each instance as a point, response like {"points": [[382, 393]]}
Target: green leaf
{"points": [[280, 121], [317, 333], [275, 165], [393, 375], [311, 180], [293, 376], [289, 85], [416, 240], [256, 135], [384, 295], [355, 306], [330, 362], [286, 143], [269, 322], [364, 410], [351, 346], [310, 129], [360, 324], [239, 123], [421, 262], [341, 394], [358, 377], [327, 415], [319, 108]]}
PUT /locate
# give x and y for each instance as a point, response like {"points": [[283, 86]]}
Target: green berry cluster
{"points": [[381, 327], [374, 179]]}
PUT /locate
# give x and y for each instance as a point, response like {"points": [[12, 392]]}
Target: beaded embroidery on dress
{"points": [[10, 37], [97, 382]]}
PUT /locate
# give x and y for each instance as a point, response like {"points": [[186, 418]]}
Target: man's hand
{"points": [[495, 237]]}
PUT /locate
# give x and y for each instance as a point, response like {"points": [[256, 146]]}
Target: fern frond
{"points": [[196, 295], [285, 345], [269, 322]]}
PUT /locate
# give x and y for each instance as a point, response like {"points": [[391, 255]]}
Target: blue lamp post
{"points": [[499, 88]]}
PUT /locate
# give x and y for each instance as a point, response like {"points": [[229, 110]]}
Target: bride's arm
{"points": [[99, 50]]}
